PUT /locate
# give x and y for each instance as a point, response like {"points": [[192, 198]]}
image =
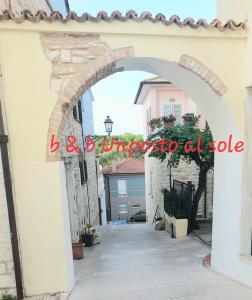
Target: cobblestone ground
{"points": [[136, 262]]}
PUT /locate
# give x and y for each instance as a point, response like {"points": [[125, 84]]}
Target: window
{"points": [[135, 205], [77, 112], [122, 189], [177, 111], [83, 171], [167, 109], [123, 208], [173, 108]]}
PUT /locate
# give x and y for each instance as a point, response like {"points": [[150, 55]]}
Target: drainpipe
{"points": [[11, 208], [67, 6], [205, 200], [205, 193]]}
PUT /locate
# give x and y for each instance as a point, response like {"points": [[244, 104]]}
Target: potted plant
{"points": [[78, 250], [87, 236], [169, 120], [154, 123]]}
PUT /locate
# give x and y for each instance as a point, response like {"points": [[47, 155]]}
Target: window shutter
{"points": [[80, 111], [75, 113], [81, 172], [121, 185], [85, 170], [177, 108], [167, 109]]}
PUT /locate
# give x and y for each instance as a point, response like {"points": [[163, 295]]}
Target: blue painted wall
{"points": [[135, 185], [135, 196], [59, 5], [87, 113]]}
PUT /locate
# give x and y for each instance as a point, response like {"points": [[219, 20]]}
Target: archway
{"points": [[206, 89]]}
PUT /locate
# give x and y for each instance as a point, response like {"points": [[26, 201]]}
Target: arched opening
{"points": [[227, 185]]}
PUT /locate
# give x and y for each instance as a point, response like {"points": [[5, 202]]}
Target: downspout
{"points": [[97, 186], [109, 199], [10, 207], [67, 6], [205, 200]]}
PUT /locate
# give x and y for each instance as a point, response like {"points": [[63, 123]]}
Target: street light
{"points": [[108, 125]]}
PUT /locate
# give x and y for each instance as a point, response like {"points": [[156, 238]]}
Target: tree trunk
{"points": [[197, 197]]}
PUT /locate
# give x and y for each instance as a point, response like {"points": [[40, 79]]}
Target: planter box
{"points": [[178, 226], [78, 250], [87, 239]]}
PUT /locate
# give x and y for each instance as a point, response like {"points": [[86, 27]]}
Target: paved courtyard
{"points": [[134, 262]]}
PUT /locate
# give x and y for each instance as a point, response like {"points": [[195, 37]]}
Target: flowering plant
{"points": [[155, 122]]}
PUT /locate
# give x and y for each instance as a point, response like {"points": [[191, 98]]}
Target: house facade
{"points": [[158, 98], [125, 189], [97, 208], [81, 170]]}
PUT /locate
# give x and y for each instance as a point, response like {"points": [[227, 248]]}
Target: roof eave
{"points": [[131, 173], [142, 83]]}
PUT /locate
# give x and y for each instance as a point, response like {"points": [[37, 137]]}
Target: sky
{"points": [[114, 95]]}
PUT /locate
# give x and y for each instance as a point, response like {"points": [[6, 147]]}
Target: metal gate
{"points": [[178, 201]]}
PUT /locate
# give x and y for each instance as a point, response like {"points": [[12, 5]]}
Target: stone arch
{"points": [[79, 61], [194, 65]]}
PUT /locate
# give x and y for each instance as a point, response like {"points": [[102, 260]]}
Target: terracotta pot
{"points": [[78, 250]]}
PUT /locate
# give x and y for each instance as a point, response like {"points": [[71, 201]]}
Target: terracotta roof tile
{"points": [[18, 6], [116, 15], [126, 166]]}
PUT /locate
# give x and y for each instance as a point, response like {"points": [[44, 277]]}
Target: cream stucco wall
{"points": [[40, 196], [40, 191], [233, 9]]}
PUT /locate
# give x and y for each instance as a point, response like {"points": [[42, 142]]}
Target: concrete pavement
{"points": [[134, 262]]}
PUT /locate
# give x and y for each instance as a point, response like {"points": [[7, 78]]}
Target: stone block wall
{"points": [[157, 178], [82, 197], [78, 62]]}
